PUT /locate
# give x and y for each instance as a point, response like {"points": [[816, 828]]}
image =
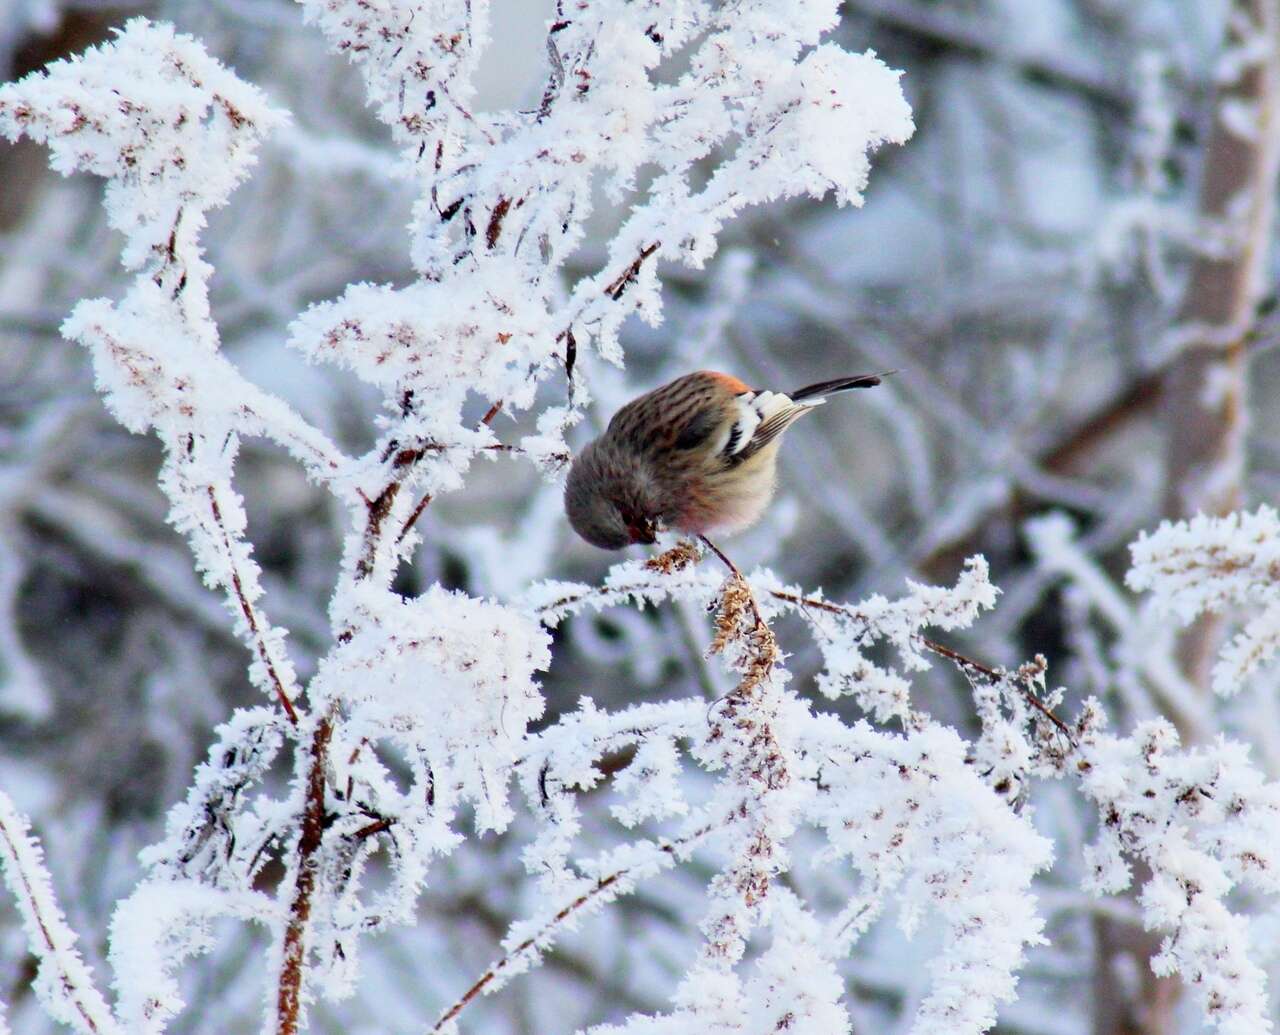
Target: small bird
{"points": [[698, 455]]}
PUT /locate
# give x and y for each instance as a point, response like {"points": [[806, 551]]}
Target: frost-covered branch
{"points": [[63, 982], [522, 949], [173, 132], [784, 766], [1206, 565], [1203, 821]]}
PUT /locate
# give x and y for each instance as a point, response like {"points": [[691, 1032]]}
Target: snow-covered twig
{"points": [[1203, 821], [1208, 564], [522, 949], [63, 982]]}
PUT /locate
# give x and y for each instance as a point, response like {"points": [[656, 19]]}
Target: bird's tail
{"points": [[840, 384]]}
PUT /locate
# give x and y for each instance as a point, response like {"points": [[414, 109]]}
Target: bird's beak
{"points": [[642, 533]]}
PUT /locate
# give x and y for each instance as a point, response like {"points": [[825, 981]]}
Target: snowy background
{"points": [[1063, 247]]}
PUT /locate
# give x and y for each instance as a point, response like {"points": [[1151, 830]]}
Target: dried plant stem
{"points": [[737, 574], [757, 764], [289, 993], [293, 956], [51, 941], [962, 661], [996, 675], [496, 969], [249, 612]]}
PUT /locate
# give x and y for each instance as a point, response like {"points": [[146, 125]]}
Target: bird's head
{"points": [[609, 499]]}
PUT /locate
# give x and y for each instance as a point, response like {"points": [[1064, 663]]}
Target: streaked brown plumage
{"points": [[698, 454]]}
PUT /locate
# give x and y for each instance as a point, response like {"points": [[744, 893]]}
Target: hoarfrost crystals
{"points": [[1210, 564], [1203, 821]]}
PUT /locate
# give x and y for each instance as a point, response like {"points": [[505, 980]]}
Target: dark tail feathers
{"points": [[840, 384]]}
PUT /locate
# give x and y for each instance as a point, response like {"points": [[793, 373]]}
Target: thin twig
{"points": [[249, 611], [495, 969], [961, 660], [737, 574], [52, 942], [423, 503], [615, 288], [413, 517], [821, 605], [289, 994], [996, 675]]}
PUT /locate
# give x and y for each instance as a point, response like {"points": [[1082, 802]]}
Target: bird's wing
{"points": [[695, 414], [761, 417], [685, 414]]}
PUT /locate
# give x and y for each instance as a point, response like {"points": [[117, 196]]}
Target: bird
{"points": [[697, 455]]}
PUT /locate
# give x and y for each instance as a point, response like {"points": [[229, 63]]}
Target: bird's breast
{"points": [[724, 500]]}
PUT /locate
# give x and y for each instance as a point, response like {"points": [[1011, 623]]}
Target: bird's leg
{"points": [[737, 574], [721, 554]]}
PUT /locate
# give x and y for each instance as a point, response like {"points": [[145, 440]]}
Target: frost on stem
{"points": [[1203, 820], [214, 835], [155, 930], [63, 982], [507, 194], [844, 633], [417, 725], [1210, 564], [1200, 821], [912, 814], [754, 800], [173, 132]]}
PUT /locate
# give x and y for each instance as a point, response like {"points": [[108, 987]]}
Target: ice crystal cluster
{"points": [[422, 726]]}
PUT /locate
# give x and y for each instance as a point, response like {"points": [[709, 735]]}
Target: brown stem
{"points": [[821, 605], [733, 569], [615, 288], [996, 675], [289, 994], [82, 998], [249, 611], [602, 885], [289, 989], [379, 507], [411, 520], [961, 660]]}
